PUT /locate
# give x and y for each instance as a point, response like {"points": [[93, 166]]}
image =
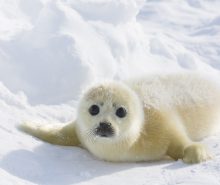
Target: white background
{"points": [[50, 50]]}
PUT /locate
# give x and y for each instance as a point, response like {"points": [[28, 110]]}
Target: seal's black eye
{"points": [[121, 112], [94, 110]]}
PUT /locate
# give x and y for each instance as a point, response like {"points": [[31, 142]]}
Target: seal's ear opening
{"points": [[58, 134]]}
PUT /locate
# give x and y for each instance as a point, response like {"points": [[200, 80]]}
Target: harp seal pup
{"points": [[142, 119]]}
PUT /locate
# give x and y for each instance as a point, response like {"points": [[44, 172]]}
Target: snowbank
{"points": [[66, 46]]}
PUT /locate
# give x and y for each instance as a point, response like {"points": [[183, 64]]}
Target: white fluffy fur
{"points": [[166, 115], [110, 93]]}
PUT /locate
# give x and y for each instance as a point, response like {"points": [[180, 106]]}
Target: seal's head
{"points": [[109, 113]]}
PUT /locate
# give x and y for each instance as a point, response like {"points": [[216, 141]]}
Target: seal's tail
{"points": [[59, 134]]}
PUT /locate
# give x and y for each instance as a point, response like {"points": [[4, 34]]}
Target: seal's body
{"points": [[142, 119]]}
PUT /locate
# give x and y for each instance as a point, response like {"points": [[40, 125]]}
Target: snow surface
{"points": [[50, 50]]}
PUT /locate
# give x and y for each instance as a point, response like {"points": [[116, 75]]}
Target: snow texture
{"points": [[50, 50]]}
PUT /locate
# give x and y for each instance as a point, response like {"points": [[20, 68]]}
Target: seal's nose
{"points": [[104, 125], [104, 129]]}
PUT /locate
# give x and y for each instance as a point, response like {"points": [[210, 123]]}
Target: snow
{"points": [[50, 50]]}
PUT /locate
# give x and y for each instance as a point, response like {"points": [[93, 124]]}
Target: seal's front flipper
{"points": [[59, 134]]}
